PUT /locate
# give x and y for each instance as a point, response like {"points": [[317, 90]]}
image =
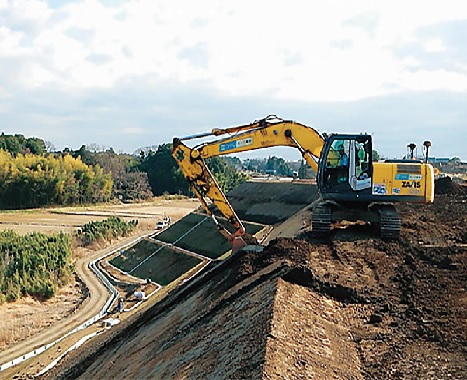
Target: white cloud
{"points": [[434, 45], [438, 79], [294, 51], [246, 45], [132, 131]]}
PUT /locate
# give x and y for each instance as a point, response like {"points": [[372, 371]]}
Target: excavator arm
{"points": [[268, 132], [205, 187], [265, 133]]}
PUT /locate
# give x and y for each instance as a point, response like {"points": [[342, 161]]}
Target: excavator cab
{"points": [[345, 166]]}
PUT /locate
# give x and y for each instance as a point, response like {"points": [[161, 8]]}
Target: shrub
{"points": [[34, 264], [105, 230]]}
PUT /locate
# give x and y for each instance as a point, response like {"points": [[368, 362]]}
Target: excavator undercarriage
{"points": [[383, 216]]}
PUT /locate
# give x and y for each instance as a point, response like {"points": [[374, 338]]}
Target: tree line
{"points": [[16, 144], [271, 165], [31, 180], [33, 176], [130, 183]]}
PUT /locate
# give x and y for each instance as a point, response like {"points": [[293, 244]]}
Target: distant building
{"points": [[439, 160]]}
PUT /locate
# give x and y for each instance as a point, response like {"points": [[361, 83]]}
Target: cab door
{"points": [[360, 165]]}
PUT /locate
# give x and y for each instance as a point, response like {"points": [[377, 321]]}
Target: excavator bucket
{"points": [[237, 244]]}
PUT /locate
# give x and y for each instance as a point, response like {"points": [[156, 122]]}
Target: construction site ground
{"points": [[356, 307]]}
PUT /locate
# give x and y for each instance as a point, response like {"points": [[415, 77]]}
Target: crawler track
{"points": [[390, 222]]}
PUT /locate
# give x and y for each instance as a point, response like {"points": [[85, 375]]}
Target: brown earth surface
{"points": [[355, 308]]}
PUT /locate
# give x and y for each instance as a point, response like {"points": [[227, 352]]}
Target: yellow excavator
{"points": [[352, 185]]}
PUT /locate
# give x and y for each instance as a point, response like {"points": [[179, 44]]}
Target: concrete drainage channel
{"points": [[104, 311]]}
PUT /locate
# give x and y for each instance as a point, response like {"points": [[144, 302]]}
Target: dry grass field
{"points": [[69, 219]]}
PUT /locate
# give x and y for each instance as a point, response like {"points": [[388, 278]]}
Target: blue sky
{"points": [[131, 74]]}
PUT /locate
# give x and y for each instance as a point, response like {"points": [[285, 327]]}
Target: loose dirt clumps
{"points": [[446, 185], [358, 308]]}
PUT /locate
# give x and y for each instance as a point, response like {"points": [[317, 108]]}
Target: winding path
{"points": [[98, 295]]}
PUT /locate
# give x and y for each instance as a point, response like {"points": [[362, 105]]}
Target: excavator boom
{"points": [[268, 132], [264, 133], [205, 186]]}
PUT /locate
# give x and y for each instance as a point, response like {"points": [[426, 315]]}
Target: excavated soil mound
{"points": [[446, 185], [359, 309]]}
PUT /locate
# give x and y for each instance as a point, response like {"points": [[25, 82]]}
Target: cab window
{"points": [[337, 163]]}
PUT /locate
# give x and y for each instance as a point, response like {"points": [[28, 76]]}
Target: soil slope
{"points": [[271, 202], [356, 308]]}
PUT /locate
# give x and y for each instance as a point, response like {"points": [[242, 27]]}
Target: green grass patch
{"points": [[164, 266]]}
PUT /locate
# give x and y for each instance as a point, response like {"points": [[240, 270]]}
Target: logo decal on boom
{"points": [[235, 144]]}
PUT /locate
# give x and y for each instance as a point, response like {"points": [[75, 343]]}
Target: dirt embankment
{"points": [[351, 309], [271, 202]]}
